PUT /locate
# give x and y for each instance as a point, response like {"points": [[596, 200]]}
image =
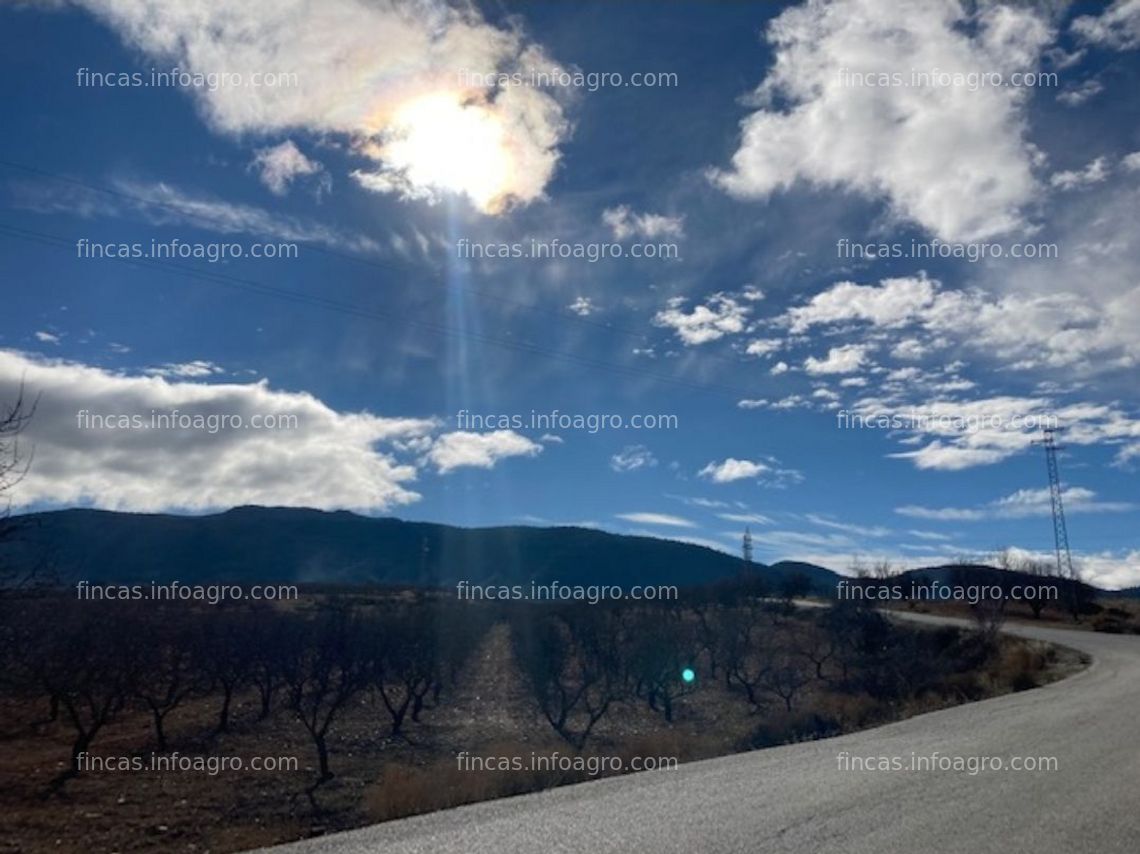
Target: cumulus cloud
{"points": [[462, 449], [386, 78], [279, 165], [763, 346], [952, 158], [1094, 172], [840, 360], [626, 223], [961, 434], [720, 315], [633, 458], [1023, 330], [732, 469], [893, 303], [1118, 27], [767, 472], [328, 459], [1075, 95]]}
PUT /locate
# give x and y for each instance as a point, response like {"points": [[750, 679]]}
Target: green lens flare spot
{"points": [[688, 675]]}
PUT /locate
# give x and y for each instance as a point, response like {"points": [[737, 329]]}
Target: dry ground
{"points": [[487, 713]]}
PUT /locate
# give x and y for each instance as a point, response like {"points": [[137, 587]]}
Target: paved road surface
{"points": [[794, 799]]}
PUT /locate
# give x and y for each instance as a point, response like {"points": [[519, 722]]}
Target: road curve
{"points": [[795, 800]]}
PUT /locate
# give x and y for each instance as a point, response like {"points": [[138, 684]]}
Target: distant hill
{"points": [[249, 545]]}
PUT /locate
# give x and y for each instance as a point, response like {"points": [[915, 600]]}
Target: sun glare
{"points": [[440, 143]]}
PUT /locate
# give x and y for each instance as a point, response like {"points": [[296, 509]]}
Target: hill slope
{"points": [[259, 544]]}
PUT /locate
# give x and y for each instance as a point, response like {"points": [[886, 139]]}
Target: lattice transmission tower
{"points": [[746, 545], [1060, 532]]}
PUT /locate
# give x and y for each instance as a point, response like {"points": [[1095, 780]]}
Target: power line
{"points": [[253, 286], [561, 314]]}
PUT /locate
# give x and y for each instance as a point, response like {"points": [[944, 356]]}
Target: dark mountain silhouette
{"points": [[249, 545]]}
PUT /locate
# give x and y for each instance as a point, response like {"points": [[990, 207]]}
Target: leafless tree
{"points": [[170, 672], [324, 668], [91, 662], [267, 633], [744, 634], [406, 668], [571, 662], [785, 675], [661, 647], [14, 464], [225, 651]]}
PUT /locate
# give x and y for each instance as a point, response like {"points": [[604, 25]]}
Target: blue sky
{"points": [[756, 166]]}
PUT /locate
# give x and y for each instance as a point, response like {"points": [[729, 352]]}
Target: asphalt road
{"points": [[795, 799]]}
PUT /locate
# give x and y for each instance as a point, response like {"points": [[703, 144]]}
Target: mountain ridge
{"points": [[303, 545]]}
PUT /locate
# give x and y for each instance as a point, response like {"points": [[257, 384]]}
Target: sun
{"points": [[438, 142]]}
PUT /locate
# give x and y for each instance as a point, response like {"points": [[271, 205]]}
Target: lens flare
{"points": [[438, 142]]}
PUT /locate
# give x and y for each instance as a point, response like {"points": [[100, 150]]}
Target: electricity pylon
{"points": [[746, 545], [1060, 532]]}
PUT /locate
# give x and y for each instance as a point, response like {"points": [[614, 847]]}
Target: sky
{"points": [[824, 268]]}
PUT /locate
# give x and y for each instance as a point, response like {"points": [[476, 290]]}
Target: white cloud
{"points": [[848, 528], [582, 306], [383, 77], [462, 449], [961, 434], [187, 370], [633, 458], [929, 535], [707, 503], [720, 315], [1075, 95], [895, 142], [767, 472], [1094, 172], [779, 368], [1021, 504], [763, 346], [164, 204], [746, 518], [329, 460], [909, 349], [732, 469], [1021, 330], [279, 165], [1111, 570], [626, 223], [47, 337], [1131, 162], [663, 519], [840, 360], [893, 303], [1118, 27]]}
